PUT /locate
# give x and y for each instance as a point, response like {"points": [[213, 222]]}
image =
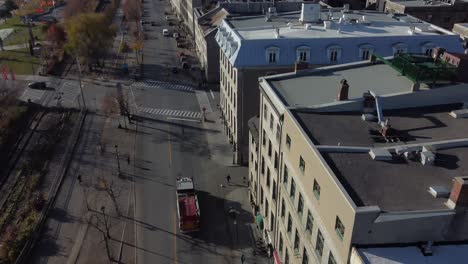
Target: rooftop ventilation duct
{"points": [[310, 13], [427, 157], [461, 113], [380, 154], [327, 24], [307, 26], [363, 20], [343, 93], [439, 191]]}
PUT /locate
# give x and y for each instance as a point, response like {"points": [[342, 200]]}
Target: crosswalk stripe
{"points": [[170, 112]]}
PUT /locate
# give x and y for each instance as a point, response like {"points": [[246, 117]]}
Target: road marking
{"points": [[212, 95], [170, 151], [170, 112], [183, 119], [175, 237]]}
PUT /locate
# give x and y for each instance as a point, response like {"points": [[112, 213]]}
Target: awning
{"points": [[276, 257], [259, 219]]}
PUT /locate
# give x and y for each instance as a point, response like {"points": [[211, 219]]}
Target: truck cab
{"points": [[187, 206]]}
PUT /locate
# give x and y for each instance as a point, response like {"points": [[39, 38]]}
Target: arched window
{"points": [[272, 55], [427, 48], [303, 54], [365, 51], [400, 48], [334, 53]]}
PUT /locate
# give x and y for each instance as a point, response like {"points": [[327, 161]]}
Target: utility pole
{"points": [[118, 159], [79, 80]]}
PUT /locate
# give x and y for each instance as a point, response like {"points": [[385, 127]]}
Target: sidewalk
{"points": [[242, 225]]}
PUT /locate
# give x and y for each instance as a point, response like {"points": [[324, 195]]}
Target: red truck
{"points": [[187, 206]]}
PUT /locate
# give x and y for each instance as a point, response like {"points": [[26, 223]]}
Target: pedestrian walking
{"points": [[128, 159], [79, 178], [228, 178], [242, 259]]}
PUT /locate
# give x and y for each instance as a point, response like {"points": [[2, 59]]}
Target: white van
{"points": [[165, 32]]}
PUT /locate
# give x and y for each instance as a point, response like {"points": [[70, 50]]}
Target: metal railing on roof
{"points": [[421, 67]]}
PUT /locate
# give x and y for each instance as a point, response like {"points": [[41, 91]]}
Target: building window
{"points": [[276, 160], [301, 164], [292, 192], [261, 195], [300, 205], [288, 141], [263, 165], [309, 222], [297, 241], [319, 244], [286, 257], [272, 120], [266, 207], [400, 48], [339, 228], [305, 257], [251, 157], [331, 259], [264, 138], [272, 221], [303, 54], [283, 208], [316, 189], [272, 55], [273, 192], [365, 51], [265, 111], [289, 224], [285, 175], [269, 148], [278, 130], [280, 244], [268, 177], [334, 53], [256, 166], [427, 48]]}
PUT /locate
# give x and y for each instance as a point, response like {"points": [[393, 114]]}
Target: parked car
{"points": [[165, 32], [37, 85], [175, 35]]}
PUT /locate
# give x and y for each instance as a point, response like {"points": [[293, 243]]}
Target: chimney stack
{"points": [[299, 66], [459, 193], [344, 90]]}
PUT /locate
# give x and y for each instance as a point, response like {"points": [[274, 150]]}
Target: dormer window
{"points": [[334, 54], [303, 54], [272, 55], [365, 51], [427, 48], [400, 48]]}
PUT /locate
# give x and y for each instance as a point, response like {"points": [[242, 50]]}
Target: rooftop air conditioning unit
{"points": [[427, 158], [380, 154], [439, 191]]}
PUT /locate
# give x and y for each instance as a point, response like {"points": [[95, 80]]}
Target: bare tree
{"points": [[132, 10], [112, 191], [100, 221]]}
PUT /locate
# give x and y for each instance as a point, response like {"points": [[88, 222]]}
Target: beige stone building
{"points": [[341, 168], [255, 46]]}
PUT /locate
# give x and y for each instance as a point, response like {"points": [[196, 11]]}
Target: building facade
{"points": [[441, 13], [327, 185], [255, 46]]}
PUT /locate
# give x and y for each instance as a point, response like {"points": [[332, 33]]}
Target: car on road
{"points": [[165, 32], [175, 35], [37, 85]]}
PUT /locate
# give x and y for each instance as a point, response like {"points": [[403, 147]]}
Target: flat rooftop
{"points": [[308, 90], [412, 126], [441, 254], [420, 3], [377, 24], [398, 185]]}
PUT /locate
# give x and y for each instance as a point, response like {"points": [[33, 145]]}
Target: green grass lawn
{"points": [[21, 34], [20, 61]]}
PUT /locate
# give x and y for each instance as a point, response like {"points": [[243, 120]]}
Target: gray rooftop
{"points": [[380, 24], [308, 90], [413, 125], [397, 185], [421, 3]]}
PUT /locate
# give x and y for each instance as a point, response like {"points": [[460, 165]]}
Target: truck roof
{"points": [[188, 208], [184, 184]]}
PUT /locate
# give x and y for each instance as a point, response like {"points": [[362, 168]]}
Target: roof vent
{"points": [[439, 191], [363, 20], [346, 8], [461, 113], [411, 29], [427, 157], [368, 117], [310, 13], [380, 154], [307, 26], [277, 32], [327, 24]]}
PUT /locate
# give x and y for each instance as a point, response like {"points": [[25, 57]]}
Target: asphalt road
{"points": [[167, 148]]}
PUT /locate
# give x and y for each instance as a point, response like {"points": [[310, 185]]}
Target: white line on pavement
{"points": [[212, 95], [184, 119]]}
